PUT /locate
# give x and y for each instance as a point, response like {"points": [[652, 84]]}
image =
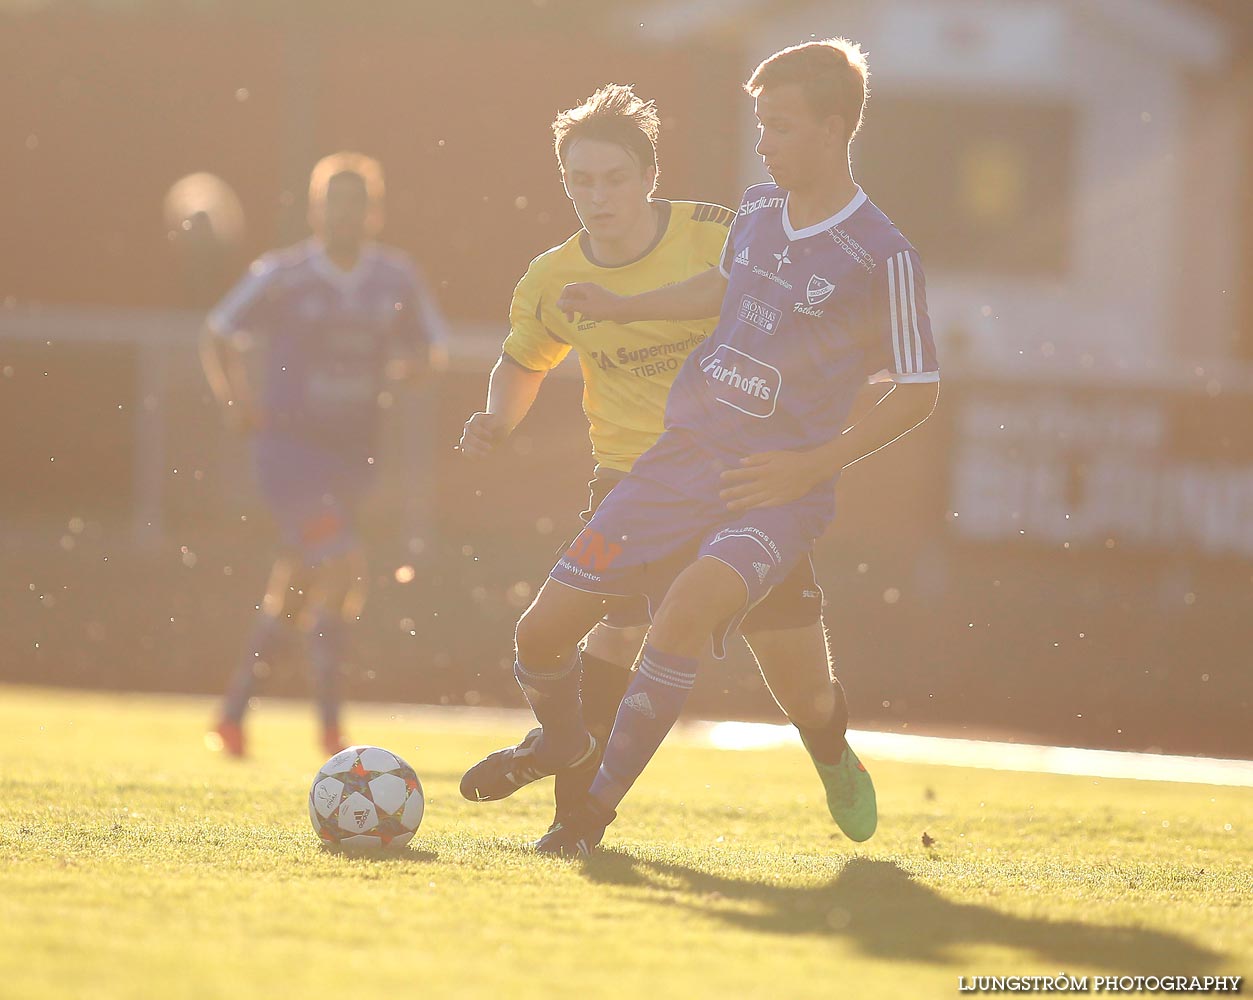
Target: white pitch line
{"points": [[994, 756], [902, 747]]}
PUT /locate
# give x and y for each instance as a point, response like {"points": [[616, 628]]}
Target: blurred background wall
{"points": [[1070, 556]]}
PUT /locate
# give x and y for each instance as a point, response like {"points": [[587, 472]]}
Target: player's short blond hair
{"points": [[345, 162], [615, 113], [832, 73]]}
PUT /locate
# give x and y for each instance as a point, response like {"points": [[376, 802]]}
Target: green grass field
{"points": [[133, 863]]}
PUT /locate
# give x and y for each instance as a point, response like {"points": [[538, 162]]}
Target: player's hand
{"points": [[591, 301], [482, 434], [769, 479]]}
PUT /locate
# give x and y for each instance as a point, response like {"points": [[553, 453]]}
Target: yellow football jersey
{"points": [[627, 368]]}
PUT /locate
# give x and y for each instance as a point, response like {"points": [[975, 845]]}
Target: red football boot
{"points": [[227, 737], [333, 741]]}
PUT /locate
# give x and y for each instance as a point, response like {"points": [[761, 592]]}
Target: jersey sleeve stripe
{"points": [[225, 318], [902, 291], [713, 213], [539, 309], [506, 356], [896, 340], [913, 312]]}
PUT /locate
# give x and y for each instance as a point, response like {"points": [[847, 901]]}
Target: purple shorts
{"points": [[646, 533], [313, 495]]}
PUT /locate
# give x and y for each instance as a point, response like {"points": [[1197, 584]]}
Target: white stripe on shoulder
{"points": [[902, 289], [225, 318], [896, 340], [913, 313]]}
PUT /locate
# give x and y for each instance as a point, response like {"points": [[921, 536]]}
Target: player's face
{"points": [[346, 216], [796, 145], [608, 186]]}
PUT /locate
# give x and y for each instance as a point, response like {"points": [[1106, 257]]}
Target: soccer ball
{"points": [[366, 798]]}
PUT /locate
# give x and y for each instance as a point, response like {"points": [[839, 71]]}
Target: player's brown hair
{"points": [[346, 162], [832, 73], [613, 114]]}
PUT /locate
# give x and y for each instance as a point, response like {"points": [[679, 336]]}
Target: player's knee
{"points": [[285, 591], [549, 632], [616, 645], [327, 592], [537, 639], [704, 596]]}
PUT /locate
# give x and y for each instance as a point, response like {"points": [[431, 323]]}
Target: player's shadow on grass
{"points": [[887, 914]]}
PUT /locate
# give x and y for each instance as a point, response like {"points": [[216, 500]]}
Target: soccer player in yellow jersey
{"points": [[632, 242]]}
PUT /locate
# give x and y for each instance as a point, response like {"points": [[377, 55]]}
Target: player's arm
{"points": [[699, 297], [530, 352], [511, 392], [771, 478], [227, 374], [221, 353]]}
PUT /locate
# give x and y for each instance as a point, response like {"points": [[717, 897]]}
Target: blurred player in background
{"points": [[632, 242], [333, 318], [819, 295]]}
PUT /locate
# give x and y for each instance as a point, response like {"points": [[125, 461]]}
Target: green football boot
{"points": [[850, 795]]}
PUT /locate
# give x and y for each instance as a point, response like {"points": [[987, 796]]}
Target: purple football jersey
{"points": [[327, 335], [809, 317]]}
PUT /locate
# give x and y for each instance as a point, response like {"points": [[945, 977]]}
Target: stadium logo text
{"points": [[765, 201]]}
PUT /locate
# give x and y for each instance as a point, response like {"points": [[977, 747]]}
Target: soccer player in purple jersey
{"points": [[632, 242], [335, 317], [818, 295]]}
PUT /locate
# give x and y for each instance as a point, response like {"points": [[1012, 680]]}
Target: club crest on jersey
{"points": [[818, 290]]}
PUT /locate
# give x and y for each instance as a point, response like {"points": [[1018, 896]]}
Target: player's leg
{"points": [[336, 595], [737, 564], [269, 639], [608, 656], [548, 669], [786, 634], [701, 600], [609, 652], [795, 663]]}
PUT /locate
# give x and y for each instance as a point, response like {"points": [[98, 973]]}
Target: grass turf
{"points": [[133, 863]]}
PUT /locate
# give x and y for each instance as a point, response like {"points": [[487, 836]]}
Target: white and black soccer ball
{"points": [[366, 798]]}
